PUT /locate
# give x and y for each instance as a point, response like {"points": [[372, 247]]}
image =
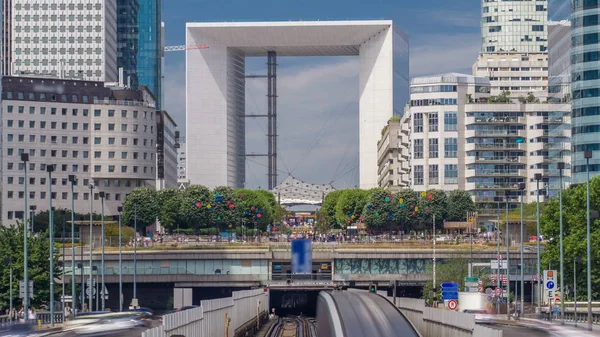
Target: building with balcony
{"points": [[167, 145], [438, 128], [393, 154], [105, 137]]}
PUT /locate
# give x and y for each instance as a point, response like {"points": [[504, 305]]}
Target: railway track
{"points": [[293, 326]]}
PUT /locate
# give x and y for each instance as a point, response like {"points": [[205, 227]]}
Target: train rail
{"points": [[293, 326]]}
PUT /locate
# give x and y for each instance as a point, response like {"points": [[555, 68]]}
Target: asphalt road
{"points": [[516, 331]]}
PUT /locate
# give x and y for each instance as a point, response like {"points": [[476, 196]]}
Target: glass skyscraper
{"points": [[140, 43], [585, 115]]}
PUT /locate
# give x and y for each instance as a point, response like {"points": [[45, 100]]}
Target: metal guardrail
{"points": [[42, 317]]}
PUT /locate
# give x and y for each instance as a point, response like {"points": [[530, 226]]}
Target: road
{"points": [[516, 331]]}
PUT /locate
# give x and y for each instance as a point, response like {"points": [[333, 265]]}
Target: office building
{"points": [[127, 39], [104, 136], [585, 88], [150, 46], [393, 154], [438, 128], [514, 26], [60, 38], [167, 145]]}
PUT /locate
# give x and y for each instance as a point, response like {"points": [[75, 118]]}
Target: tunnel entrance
{"points": [[294, 302]]}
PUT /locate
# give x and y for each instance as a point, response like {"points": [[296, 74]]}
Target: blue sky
{"points": [[444, 37]]}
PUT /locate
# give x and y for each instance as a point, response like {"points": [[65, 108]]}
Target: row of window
{"points": [[590, 56], [85, 182], [585, 129], [54, 6], [64, 196], [585, 39], [450, 121], [433, 88], [75, 126], [54, 52], [75, 168], [584, 4], [433, 101], [450, 174], [55, 17], [75, 140], [54, 40], [75, 154], [65, 111], [450, 148]]}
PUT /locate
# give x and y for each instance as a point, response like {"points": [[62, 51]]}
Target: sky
{"points": [[318, 96]]}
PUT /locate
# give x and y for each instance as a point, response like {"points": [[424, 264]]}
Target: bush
{"points": [[187, 231]]}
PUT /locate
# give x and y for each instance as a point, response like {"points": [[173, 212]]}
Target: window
{"points": [[111, 140], [111, 168], [97, 154], [417, 149], [123, 169], [97, 140], [97, 126], [450, 148], [111, 154], [97, 168], [111, 113], [433, 148], [124, 127], [124, 113], [123, 141], [97, 113], [433, 121], [418, 122], [450, 174], [111, 127], [450, 121], [123, 155], [418, 175], [433, 175]]}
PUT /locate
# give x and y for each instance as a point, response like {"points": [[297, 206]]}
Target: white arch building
{"points": [[215, 86]]}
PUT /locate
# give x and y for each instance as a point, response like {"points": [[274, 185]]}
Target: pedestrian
{"points": [[31, 315], [67, 312]]}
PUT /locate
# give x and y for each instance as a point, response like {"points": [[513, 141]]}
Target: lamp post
{"points": [[62, 300], [587, 155], [73, 181], [102, 195], [91, 282], [522, 302], [498, 256], [32, 209], [134, 300], [561, 167], [120, 210], [25, 159], [507, 195], [50, 169], [538, 177], [8, 261], [575, 260]]}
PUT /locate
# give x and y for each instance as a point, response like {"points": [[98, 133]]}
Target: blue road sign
{"points": [[301, 256], [550, 285], [449, 295], [449, 285]]}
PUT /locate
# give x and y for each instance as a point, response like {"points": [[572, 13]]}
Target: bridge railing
{"points": [[233, 316], [432, 322]]}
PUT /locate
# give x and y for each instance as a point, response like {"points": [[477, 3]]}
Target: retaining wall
{"points": [[231, 316], [433, 322]]}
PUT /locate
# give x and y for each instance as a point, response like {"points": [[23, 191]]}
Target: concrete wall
{"points": [[210, 319], [432, 322]]}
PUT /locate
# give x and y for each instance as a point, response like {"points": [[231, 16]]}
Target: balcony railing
{"points": [[492, 186], [122, 102], [496, 120], [494, 146], [497, 159], [492, 172]]}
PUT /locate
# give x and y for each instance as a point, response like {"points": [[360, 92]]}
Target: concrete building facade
{"points": [[514, 26], [106, 137], [167, 145], [61, 38], [215, 86], [393, 154]]}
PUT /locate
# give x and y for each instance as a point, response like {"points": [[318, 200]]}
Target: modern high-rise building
{"points": [[514, 26], [60, 38], [393, 154], [141, 44], [150, 46], [167, 145], [181, 176], [585, 88], [127, 39], [104, 136]]}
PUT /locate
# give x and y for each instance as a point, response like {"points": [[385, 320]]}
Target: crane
{"points": [[186, 47]]}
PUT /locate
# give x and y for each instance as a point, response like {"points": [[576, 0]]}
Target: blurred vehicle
{"points": [[106, 324], [481, 316], [20, 330]]}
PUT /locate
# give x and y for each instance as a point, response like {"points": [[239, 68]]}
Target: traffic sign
{"points": [[480, 282], [489, 291], [449, 285], [498, 292], [471, 279], [550, 285], [22, 289], [449, 291], [452, 305]]}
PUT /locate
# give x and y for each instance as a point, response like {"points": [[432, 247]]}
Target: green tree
{"points": [[111, 231], [379, 213], [225, 211], [169, 202], [11, 247], [452, 270], [350, 204], [328, 207], [250, 204], [459, 204], [146, 201], [575, 234], [406, 200], [194, 205], [432, 202], [42, 219]]}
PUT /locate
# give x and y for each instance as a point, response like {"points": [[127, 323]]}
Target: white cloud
{"points": [[433, 54]]}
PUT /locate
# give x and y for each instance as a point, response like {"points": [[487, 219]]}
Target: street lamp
{"points": [[507, 195], [120, 210], [522, 188], [538, 177], [32, 208], [102, 195], [50, 169], [587, 155], [8, 261], [73, 181], [64, 216], [575, 260], [90, 284], [134, 300], [25, 159], [561, 167]]}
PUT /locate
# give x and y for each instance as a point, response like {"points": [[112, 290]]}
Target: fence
{"points": [[432, 322], [236, 315]]}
